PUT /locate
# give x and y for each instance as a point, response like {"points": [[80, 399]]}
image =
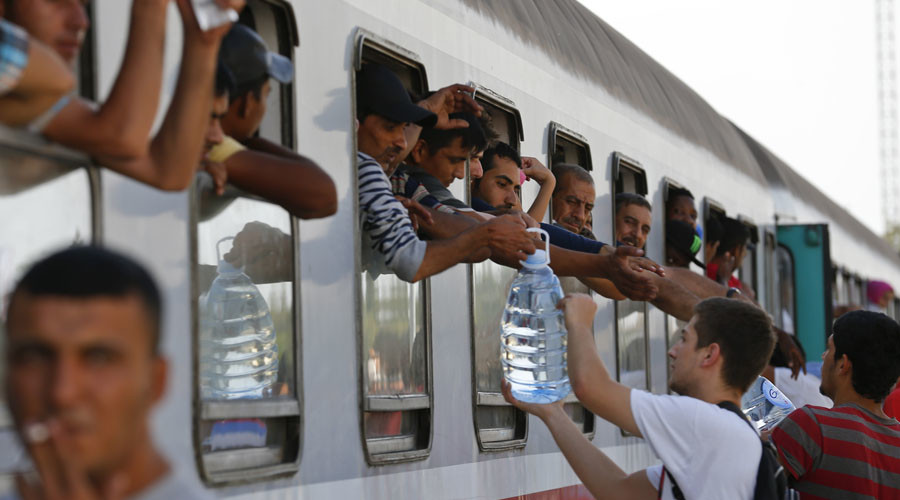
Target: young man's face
{"points": [[682, 208], [685, 359], [60, 24], [573, 200], [246, 113], [446, 164], [214, 134], [633, 225], [381, 139], [87, 365], [499, 185]]}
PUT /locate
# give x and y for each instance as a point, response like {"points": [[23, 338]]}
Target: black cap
{"points": [[684, 238], [248, 58], [379, 92]]}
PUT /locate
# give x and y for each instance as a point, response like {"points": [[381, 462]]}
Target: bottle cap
{"points": [[540, 258]]}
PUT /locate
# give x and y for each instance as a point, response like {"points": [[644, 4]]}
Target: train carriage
{"points": [[391, 390]]}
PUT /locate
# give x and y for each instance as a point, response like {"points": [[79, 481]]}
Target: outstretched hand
{"points": [[787, 346], [640, 264], [539, 410], [452, 99], [634, 284], [417, 213]]}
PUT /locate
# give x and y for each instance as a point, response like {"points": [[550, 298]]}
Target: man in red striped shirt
{"points": [[853, 449]]}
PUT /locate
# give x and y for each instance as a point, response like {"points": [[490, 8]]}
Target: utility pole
{"points": [[889, 133]]}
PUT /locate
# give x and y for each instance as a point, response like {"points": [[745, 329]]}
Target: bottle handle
{"points": [[219, 252], [546, 239]]}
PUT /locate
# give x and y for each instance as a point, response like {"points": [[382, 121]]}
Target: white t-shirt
{"points": [[710, 451], [803, 391]]}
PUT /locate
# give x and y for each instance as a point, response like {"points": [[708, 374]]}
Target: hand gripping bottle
{"points": [[765, 405], [238, 349], [533, 339]]}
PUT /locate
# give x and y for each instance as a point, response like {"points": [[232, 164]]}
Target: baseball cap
{"points": [[682, 236], [248, 58], [379, 91]]}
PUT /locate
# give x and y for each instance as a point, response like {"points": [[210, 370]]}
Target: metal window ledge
{"points": [[397, 403], [221, 410]]}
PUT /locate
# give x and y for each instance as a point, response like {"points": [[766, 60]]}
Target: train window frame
{"points": [[753, 254], [673, 324], [402, 448], [555, 132], [494, 439], [287, 38], [57, 161], [620, 165]]}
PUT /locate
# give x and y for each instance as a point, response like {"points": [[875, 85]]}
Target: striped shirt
{"points": [[13, 55], [418, 185], [842, 453], [387, 230]]}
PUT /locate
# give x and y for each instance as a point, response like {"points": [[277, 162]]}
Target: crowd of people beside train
{"points": [[88, 311]]}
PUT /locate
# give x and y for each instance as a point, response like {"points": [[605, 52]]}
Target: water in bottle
{"points": [[533, 339], [238, 349], [765, 405]]}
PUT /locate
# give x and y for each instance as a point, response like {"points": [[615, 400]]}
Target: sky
{"points": [[800, 76]]}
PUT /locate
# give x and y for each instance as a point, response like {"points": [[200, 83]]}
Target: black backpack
{"points": [[771, 478]]}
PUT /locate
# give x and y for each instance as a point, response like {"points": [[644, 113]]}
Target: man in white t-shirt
{"points": [[708, 451]]}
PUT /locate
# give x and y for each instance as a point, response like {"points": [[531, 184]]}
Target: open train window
{"points": [[896, 309], [394, 331], [713, 212], [784, 267], [51, 200], [498, 425], [569, 147], [632, 333], [747, 272], [769, 276], [275, 22], [673, 192], [248, 387]]}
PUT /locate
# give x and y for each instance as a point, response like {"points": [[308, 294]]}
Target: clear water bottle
{"points": [[238, 349], [765, 405], [533, 340]]}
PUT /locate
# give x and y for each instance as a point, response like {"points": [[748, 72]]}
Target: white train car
{"points": [[390, 390]]}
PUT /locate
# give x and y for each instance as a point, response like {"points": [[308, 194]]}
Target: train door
{"points": [[394, 326], [498, 425], [632, 334], [804, 266], [566, 147]]}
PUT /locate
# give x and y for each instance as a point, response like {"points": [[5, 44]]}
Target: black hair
{"points": [[253, 86], [675, 192], [872, 343], [563, 170], [472, 136], [89, 272], [224, 81], [625, 199], [734, 234], [713, 230], [499, 149]]}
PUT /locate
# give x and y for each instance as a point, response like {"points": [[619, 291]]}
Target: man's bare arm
{"points": [[120, 127]]}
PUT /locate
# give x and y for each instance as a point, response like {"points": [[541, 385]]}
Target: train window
{"points": [[86, 67], [673, 325], [896, 309], [769, 276], [394, 341], [566, 146], [60, 195], [711, 210], [247, 339], [747, 272], [498, 426], [275, 22], [632, 334], [784, 266]]}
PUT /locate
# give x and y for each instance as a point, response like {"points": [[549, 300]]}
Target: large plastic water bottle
{"points": [[533, 342], [765, 405], [238, 349]]}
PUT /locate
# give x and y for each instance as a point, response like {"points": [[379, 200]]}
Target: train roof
{"points": [[588, 47]]}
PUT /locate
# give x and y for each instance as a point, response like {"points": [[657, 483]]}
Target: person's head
{"points": [[60, 24], [82, 352], [248, 58], [727, 343], [879, 293], [443, 152], [383, 108], [224, 85], [713, 238], [573, 196], [735, 236], [682, 244], [680, 206], [475, 168], [633, 219], [500, 183], [862, 356]]}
